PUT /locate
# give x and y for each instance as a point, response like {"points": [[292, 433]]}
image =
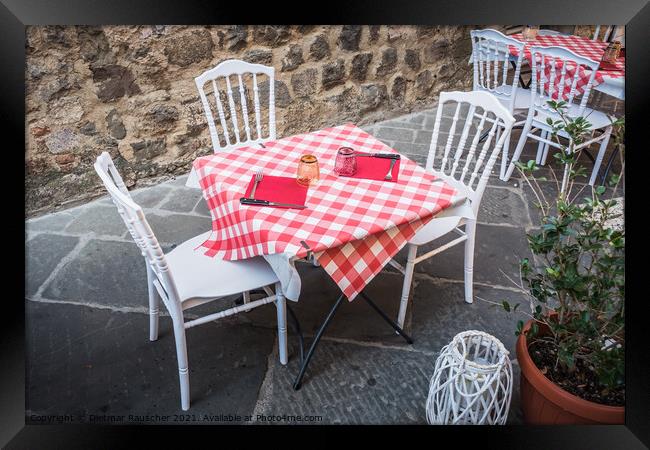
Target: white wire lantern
{"points": [[471, 383]]}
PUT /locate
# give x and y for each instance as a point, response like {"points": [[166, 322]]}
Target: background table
{"points": [[610, 77]]}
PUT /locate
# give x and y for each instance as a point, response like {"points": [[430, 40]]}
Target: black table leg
{"points": [[304, 361], [390, 321], [312, 348], [609, 165]]}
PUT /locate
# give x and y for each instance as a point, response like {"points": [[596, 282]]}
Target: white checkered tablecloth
{"points": [[353, 226], [581, 46]]}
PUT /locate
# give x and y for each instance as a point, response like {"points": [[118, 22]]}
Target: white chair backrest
{"points": [[489, 49], [609, 32], [553, 70], [460, 161], [136, 223], [244, 76]]}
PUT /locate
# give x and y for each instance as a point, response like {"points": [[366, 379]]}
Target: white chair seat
{"points": [[596, 118], [449, 219], [198, 276], [522, 99]]}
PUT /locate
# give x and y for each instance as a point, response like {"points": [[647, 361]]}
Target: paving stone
{"points": [[108, 273], [179, 180], [51, 222], [410, 149], [400, 123], [395, 134], [151, 196], [497, 248], [503, 206], [202, 207], [424, 136], [182, 199], [85, 361], [103, 220], [439, 312], [42, 255], [352, 384], [177, 228]]}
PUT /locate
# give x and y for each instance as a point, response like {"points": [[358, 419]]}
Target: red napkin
{"points": [[371, 168], [278, 189]]}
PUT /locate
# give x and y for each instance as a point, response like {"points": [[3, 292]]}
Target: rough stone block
{"points": [[319, 48], [333, 74], [360, 64], [304, 83], [350, 37], [183, 49]]}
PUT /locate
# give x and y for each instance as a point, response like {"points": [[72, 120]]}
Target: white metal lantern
{"points": [[471, 383]]}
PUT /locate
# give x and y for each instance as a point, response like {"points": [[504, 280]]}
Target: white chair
{"points": [[610, 32], [467, 169], [543, 90], [185, 277], [489, 49], [220, 82]]}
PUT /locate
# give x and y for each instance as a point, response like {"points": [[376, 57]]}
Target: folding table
{"points": [[352, 226]]}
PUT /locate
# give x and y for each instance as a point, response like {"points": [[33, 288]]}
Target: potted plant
{"points": [[571, 351]]}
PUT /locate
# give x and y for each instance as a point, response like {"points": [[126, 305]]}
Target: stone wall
{"points": [[130, 90]]}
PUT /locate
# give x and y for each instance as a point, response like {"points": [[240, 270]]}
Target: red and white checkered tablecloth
{"points": [[353, 226], [581, 46]]}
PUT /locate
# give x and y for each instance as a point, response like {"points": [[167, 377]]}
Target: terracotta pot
{"points": [[545, 403]]}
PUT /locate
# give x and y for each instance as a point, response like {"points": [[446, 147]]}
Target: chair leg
{"points": [[406, 287], [181, 356], [154, 302], [470, 230], [504, 156], [281, 307], [545, 154], [541, 147], [520, 146], [565, 176], [601, 154]]}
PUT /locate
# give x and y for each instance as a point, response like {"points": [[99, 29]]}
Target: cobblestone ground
{"points": [[89, 355]]}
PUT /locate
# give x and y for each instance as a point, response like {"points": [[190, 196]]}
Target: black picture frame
{"points": [[15, 15]]}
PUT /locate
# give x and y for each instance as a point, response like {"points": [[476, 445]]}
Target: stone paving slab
{"points": [[177, 228], [84, 361], [107, 273], [503, 206], [150, 197], [347, 383], [99, 220], [42, 254], [439, 312], [52, 222], [182, 200]]}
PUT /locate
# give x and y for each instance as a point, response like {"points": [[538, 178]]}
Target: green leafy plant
{"points": [[576, 278]]}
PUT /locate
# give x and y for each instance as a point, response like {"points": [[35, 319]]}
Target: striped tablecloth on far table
{"points": [[580, 46]]}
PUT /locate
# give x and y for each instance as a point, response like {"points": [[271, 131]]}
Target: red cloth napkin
{"points": [[372, 168], [278, 189]]}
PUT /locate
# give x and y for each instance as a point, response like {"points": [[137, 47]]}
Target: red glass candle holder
{"points": [[346, 162]]}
